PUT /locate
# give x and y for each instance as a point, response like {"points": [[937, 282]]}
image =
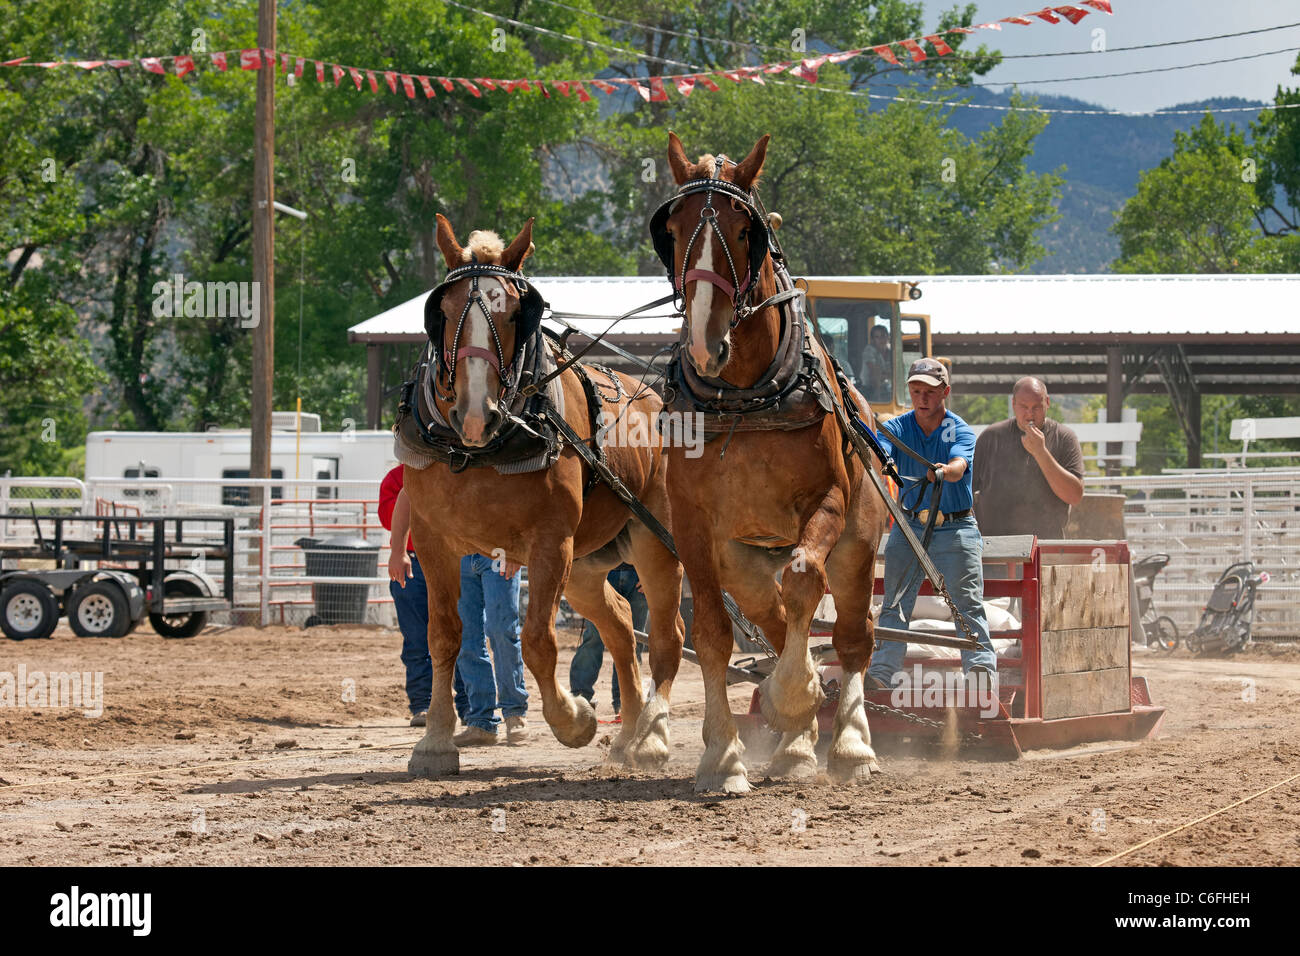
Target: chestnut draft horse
{"points": [[475, 415], [778, 507]]}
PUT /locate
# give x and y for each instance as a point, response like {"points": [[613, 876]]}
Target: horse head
{"points": [[478, 321], [714, 242]]}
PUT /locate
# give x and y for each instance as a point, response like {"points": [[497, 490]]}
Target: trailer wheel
{"points": [[28, 610], [183, 624], [99, 609]]}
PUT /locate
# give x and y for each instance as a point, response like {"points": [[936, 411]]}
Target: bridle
{"points": [[739, 289], [446, 358]]}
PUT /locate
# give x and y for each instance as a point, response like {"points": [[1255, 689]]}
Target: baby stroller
{"points": [[1160, 631], [1225, 623]]}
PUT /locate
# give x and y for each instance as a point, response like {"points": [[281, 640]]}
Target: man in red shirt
{"points": [[410, 598]]}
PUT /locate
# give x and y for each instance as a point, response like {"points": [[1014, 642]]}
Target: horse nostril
{"points": [[723, 351]]}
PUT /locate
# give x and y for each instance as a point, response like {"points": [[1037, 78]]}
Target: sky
{"points": [[1137, 22]]}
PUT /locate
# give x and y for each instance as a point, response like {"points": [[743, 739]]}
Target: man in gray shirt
{"points": [[1028, 469]]}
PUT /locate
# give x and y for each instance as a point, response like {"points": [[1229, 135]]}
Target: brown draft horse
{"points": [[777, 518], [568, 540]]}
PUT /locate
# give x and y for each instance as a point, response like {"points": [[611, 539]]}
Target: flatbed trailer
{"points": [[137, 570]]}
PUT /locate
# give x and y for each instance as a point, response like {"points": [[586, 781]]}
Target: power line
{"points": [[1157, 69], [664, 31], [1121, 49]]}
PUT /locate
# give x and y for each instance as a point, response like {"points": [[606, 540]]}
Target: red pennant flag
{"points": [[297, 68], [427, 87], [1102, 5], [337, 72], [183, 65], [914, 48], [657, 92], [320, 71], [641, 91], [707, 83], [1023, 21], [117, 64], [940, 47], [988, 26], [846, 55], [754, 73], [733, 75], [685, 84], [219, 61], [523, 85], [962, 30], [1073, 14], [486, 83], [886, 54], [150, 63], [14, 62], [374, 84], [777, 67], [446, 84], [408, 84], [607, 88], [562, 86], [807, 70], [391, 79], [583, 95], [52, 63], [87, 64], [1047, 14], [250, 59], [284, 63], [469, 86], [356, 76], [542, 86]]}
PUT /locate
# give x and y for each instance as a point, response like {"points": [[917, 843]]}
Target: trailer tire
{"points": [[99, 609], [28, 610], [180, 625]]}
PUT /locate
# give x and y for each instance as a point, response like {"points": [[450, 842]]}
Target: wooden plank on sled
{"points": [[1084, 595], [1085, 692], [1085, 649]]}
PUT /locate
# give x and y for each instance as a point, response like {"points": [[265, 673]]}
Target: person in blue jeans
{"points": [[587, 660], [489, 612], [957, 546]]}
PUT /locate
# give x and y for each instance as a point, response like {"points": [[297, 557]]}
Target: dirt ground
{"points": [[237, 747]]}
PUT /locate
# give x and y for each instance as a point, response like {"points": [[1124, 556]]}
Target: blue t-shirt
{"points": [[952, 439]]}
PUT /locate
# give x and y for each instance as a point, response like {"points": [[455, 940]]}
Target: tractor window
{"points": [[858, 332]]}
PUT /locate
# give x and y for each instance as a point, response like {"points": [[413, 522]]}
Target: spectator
{"points": [[1029, 469], [411, 601], [956, 549], [489, 612], [877, 365], [585, 668]]}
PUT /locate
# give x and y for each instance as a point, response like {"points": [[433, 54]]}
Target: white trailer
{"points": [[349, 455]]}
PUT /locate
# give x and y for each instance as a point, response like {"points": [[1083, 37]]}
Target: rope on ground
{"points": [[1214, 813], [203, 766]]}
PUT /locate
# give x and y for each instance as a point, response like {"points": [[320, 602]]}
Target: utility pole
{"points": [[259, 465]]}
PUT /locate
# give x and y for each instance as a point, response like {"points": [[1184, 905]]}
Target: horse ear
{"points": [[519, 249], [677, 161], [451, 250], [747, 171]]}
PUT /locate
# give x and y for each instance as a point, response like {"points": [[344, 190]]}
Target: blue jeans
{"points": [[956, 550], [489, 611], [591, 652], [412, 605]]}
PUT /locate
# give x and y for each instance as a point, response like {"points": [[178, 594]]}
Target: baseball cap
{"points": [[930, 371]]}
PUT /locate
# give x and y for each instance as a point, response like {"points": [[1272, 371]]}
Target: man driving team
{"points": [[957, 547]]}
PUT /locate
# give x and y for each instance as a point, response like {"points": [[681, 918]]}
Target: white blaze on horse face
{"points": [[700, 308], [477, 403]]}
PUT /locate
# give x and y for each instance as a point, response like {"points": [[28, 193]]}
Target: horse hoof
{"points": [[648, 749], [851, 772], [581, 728], [431, 765], [722, 783], [792, 768]]}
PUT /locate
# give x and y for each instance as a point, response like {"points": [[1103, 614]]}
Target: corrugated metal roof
{"points": [[966, 305]]}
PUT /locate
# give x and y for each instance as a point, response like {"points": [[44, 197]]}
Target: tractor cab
{"points": [[872, 339]]}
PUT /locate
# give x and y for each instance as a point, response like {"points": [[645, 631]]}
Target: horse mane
{"points": [[704, 168], [483, 245]]}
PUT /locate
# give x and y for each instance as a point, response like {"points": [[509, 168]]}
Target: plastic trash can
{"points": [[340, 556]]}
